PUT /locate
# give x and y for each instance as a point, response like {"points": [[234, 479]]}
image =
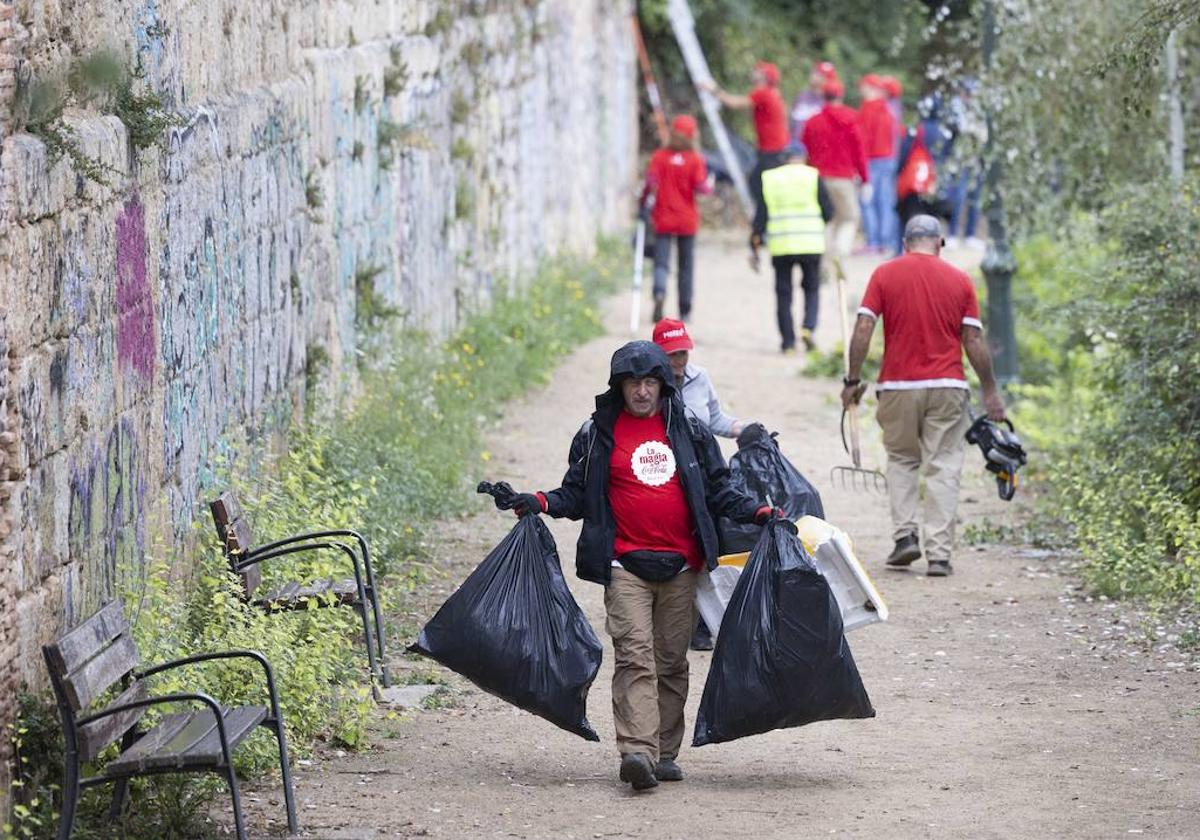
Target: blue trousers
{"points": [[879, 214]]}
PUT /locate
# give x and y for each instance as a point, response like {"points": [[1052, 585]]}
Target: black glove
{"points": [[524, 504], [766, 513]]}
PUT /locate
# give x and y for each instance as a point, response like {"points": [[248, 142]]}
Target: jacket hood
{"points": [[637, 359], [842, 114]]}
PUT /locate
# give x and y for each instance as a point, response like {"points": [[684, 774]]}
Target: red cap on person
{"points": [[684, 125], [892, 85], [769, 72], [833, 89], [826, 69], [873, 80], [672, 336]]}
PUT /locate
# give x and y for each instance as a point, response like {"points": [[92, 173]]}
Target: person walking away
{"points": [[790, 218], [700, 398], [835, 147], [879, 138], [895, 92], [930, 316], [648, 481], [770, 118], [916, 184], [675, 175], [811, 100]]}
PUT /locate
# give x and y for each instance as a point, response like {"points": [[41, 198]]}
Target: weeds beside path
{"points": [[1010, 705]]}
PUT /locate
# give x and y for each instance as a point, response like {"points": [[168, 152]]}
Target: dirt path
{"points": [[1009, 705]]}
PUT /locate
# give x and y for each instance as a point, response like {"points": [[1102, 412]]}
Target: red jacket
{"points": [[675, 177], [835, 143], [878, 128]]}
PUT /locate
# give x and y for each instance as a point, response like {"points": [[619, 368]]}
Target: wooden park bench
{"points": [[99, 654], [359, 592]]}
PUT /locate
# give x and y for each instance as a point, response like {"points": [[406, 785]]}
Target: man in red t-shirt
{"points": [[835, 147], [878, 124], [648, 480], [930, 315], [675, 175], [770, 119]]}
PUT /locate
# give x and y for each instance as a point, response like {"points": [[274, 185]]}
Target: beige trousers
{"points": [[841, 229], [926, 428], [651, 625]]}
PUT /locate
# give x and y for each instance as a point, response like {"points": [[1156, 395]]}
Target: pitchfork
{"points": [[853, 478]]}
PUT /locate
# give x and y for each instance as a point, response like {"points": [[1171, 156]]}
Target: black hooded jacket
{"points": [[702, 471]]}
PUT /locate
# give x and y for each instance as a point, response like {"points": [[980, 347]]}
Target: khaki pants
{"points": [[840, 230], [651, 625], [924, 427]]}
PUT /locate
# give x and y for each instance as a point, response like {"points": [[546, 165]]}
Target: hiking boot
{"points": [[939, 568], [907, 550], [701, 638], [658, 308], [807, 337], [668, 771], [638, 771]]}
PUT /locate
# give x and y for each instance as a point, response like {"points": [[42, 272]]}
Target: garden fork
{"points": [[853, 478]]}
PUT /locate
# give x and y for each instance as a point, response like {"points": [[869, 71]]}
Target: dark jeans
{"points": [[810, 282], [662, 267]]}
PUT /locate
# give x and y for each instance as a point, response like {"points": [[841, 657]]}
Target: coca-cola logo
{"points": [[653, 463]]}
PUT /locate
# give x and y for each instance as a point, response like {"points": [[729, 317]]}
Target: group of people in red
{"points": [[869, 172]]}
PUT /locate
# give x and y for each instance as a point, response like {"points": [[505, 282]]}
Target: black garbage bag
{"points": [[514, 630], [781, 658], [760, 470]]}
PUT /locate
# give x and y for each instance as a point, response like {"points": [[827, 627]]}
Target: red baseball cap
{"points": [[672, 336], [769, 71], [873, 80], [892, 85], [826, 69], [833, 89], [684, 125]]}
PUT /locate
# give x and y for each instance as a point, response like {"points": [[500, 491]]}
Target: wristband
{"points": [[850, 383]]}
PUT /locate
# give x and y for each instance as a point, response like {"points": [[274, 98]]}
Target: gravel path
{"points": [[1010, 705]]}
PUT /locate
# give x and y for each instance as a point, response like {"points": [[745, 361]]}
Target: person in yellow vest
{"points": [[790, 219]]}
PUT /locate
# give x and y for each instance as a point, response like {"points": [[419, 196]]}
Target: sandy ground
{"points": [[1010, 705]]}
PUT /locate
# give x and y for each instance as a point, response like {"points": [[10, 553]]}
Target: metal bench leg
{"points": [[366, 622], [66, 822], [238, 822], [379, 641], [289, 796]]}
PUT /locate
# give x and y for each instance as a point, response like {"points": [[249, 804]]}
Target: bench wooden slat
{"points": [[86, 683], [226, 508], [251, 579], [239, 538], [187, 740], [86, 640], [95, 736]]}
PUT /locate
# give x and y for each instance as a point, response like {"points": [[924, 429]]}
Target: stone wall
{"points": [[330, 153]]}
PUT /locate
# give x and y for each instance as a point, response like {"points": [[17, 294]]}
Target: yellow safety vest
{"points": [[794, 223]]}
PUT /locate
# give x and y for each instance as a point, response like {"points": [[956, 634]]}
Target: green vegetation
{"points": [[395, 75], [460, 108], [408, 452], [440, 23], [362, 93], [371, 310]]}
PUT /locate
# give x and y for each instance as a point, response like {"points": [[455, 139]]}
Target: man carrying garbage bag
{"points": [[648, 481]]}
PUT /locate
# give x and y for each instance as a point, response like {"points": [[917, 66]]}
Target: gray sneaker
{"points": [[668, 771], [638, 771], [939, 568], [905, 553]]}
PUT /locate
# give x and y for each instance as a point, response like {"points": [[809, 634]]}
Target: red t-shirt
{"points": [[835, 144], [770, 119], [676, 176], [647, 499], [878, 128], [924, 303]]}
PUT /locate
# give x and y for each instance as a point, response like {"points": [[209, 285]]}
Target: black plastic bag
{"points": [[514, 630], [760, 470], [781, 658]]}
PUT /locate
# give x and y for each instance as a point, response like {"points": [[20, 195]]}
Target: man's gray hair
{"points": [[922, 227]]}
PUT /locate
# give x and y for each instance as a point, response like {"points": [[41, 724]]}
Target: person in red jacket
{"points": [[835, 147], [879, 138], [676, 173]]}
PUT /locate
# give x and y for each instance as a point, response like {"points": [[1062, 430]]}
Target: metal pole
{"points": [[999, 265], [656, 106], [1174, 107]]}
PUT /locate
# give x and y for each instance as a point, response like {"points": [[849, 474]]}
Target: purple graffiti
{"points": [[135, 303]]}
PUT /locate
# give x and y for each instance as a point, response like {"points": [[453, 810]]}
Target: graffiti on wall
{"points": [[135, 302]]}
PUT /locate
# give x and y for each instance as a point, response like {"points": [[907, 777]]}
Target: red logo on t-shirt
{"points": [[653, 463]]}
